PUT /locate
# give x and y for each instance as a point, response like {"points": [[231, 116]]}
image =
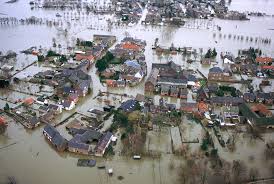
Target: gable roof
{"points": [[264, 59], [56, 138], [215, 70], [153, 76], [128, 106]]}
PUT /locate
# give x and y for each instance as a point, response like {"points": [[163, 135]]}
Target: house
{"points": [[48, 117], [128, 106], [2, 121], [264, 60], [227, 73], [55, 138], [269, 99], [28, 101], [154, 109], [32, 122], [68, 105], [230, 112], [203, 107], [76, 146], [84, 56], [103, 144], [264, 98], [169, 70], [101, 38], [140, 98], [189, 107], [57, 109], [80, 142], [152, 80], [202, 95], [111, 83], [174, 92], [261, 110], [226, 100], [183, 93], [215, 73], [249, 69], [171, 107], [191, 81], [83, 87], [66, 90], [164, 90], [121, 83], [73, 97], [249, 97], [42, 100], [107, 73], [254, 119], [267, 68], [174, 82], [131, 46], [212, 88], [206, 61]]}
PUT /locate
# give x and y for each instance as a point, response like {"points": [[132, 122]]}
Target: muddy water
{"points": [[32, 160]]}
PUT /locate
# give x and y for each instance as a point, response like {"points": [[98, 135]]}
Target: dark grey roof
{"points": [[75, 143], [170, 65], [227, 100], [56, 138], [191, 78], [128, 106], [53, 106], [215, 70], [153, 76], [33, 120], [51, 131], [75, 131], [213, 88], [263, 95], [66, 103], [251, 96], [90, 135], [103, 141], [171, 80]]}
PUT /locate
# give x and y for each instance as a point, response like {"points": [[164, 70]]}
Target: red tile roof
{"points": [[80, 57], [264, 59], [131, 46], [2, 120], [266, 67], [202, 107], [28, 101], [261, 109]]}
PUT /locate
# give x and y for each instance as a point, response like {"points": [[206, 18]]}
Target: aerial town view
{"points": [[137, 91]]}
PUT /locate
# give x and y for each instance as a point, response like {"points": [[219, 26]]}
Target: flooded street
{"points": [[31, 159]]}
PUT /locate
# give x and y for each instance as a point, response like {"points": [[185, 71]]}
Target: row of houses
{"points": [[134, 69], [218, 74], [170, 80], [100, 45], [81, 142], [259, 97], [130, 49]]}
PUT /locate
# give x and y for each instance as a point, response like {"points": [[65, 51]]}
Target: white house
{"points": [[68, 105]]}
